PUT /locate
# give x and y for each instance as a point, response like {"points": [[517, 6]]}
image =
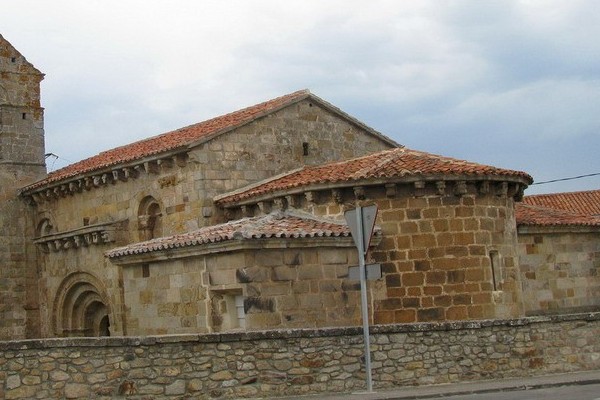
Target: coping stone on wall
{"points": [[136, 341]]}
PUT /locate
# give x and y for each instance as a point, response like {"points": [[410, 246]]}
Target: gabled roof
{"points": [[560, 209], [274, 225], [387, 164], [191, 136]]}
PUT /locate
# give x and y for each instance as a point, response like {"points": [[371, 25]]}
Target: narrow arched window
{"points": [[149, 218], [44, 228]]}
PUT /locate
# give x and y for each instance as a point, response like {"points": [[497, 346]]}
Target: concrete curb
{"points": [[466, 388]]}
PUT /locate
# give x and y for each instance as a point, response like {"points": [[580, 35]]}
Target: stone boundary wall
{"points": [[302, 361]]}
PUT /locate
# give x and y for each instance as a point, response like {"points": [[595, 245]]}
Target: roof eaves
{"points": [[49, 183], [222, 200]]}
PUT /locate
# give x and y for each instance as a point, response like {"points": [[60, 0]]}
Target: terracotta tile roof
{"points": [[274, 225], [574, 208], [397, 162], [587, 203], [171, 140], [527, 214]]}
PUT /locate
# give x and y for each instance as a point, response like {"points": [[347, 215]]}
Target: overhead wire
{"points": [[566, 179]]}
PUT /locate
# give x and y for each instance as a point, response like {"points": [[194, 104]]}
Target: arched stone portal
{"points": [[81, 307]]}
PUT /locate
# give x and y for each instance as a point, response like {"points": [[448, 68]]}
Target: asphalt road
{"points": [[572, 392]]}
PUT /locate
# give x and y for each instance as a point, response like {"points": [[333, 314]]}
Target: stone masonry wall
{"points": [[21, 163], [281, 288], [275, 363], [560, 271], [448, 250], [259, 150]]}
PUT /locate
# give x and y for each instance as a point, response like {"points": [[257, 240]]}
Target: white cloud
{"points": [[452, 77]]}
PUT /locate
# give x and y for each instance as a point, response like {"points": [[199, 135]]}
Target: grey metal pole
{"points": [[363, 296]]}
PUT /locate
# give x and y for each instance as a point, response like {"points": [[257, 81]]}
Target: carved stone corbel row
{"points": [[88, 236], [121, 174]]}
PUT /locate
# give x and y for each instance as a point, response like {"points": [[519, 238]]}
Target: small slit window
{"points": [[496, 270], [145, 270], [305, 148]]}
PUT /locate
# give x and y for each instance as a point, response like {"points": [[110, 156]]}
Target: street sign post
{"points": [[361, 222]]}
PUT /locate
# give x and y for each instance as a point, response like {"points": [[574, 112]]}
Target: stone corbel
{"points": [[291, 201], [441, 187], [97, 181], [310, 197], [419, 188], [359, 192], [180, 160], [484, 187], [390, 190], [460, 188], [519, 192], [502, 189], [127, 173], [165, 163], [263, 207], [336, 195], [38, 198], [151, 167], [278, 204], [85, 236], [245, 211], [229, 214]]}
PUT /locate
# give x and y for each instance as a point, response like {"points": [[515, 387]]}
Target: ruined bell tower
{"points": [[21, 163]]}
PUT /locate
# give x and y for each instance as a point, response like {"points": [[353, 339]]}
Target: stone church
{"points": [[237, 223]]}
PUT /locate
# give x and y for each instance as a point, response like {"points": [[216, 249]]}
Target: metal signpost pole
{"points": [[363, 296]]}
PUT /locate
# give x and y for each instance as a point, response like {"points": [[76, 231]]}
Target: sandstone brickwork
{"points": [[21, 163], [110, 212], [436, 255], [306, 361], [559, 269], [279, 287]]}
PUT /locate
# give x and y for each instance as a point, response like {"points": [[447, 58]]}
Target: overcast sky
{"points": [[514, 84]]}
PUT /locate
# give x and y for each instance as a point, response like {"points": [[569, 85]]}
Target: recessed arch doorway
{"points": [[81, 307]]}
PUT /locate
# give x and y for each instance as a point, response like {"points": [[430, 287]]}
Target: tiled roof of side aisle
{"points": [[586, 203], [397, 162], [572, 208], [186, 136], [274, 225], [527, 214]]}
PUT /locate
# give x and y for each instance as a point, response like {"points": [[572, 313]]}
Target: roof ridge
{"points": [[393, 155]]}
